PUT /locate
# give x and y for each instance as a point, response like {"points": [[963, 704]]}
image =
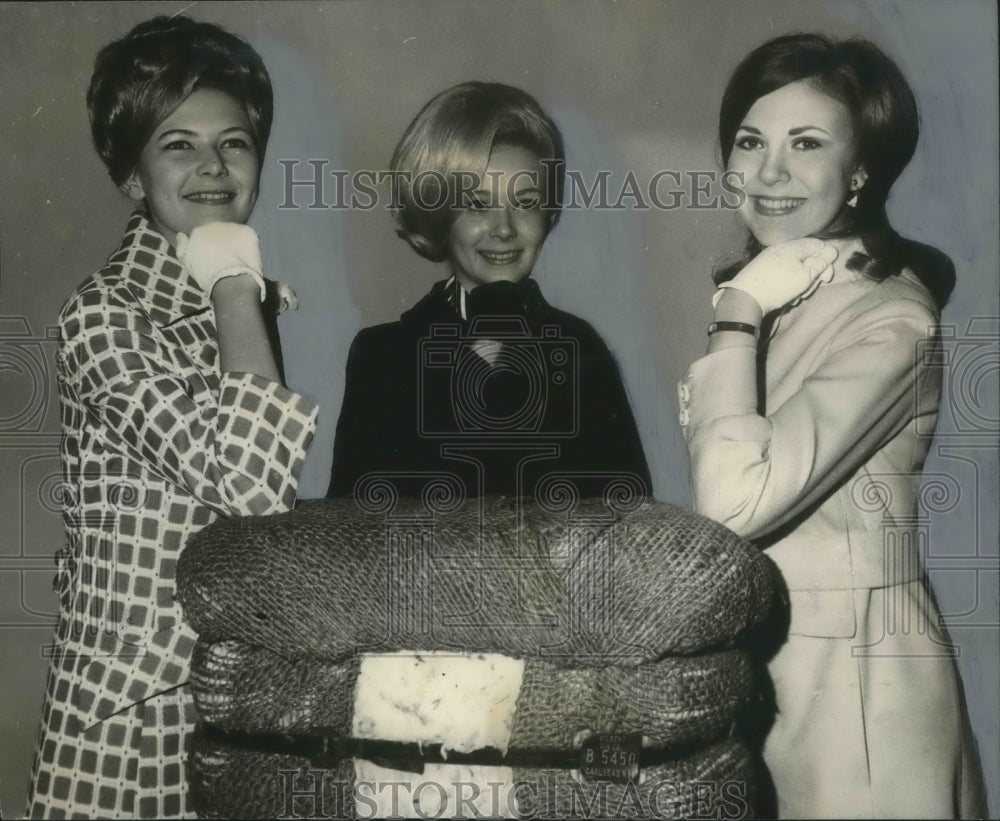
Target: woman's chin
{"points": [[769, 238], [776, 234], [770, 230], [776, 230]]}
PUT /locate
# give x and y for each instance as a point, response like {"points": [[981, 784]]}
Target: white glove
{"points": [[783, 273], [221, 249]]}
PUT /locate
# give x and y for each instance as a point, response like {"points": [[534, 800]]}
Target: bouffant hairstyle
{"points": [[883, 111], [450, 141], [142, 78]]}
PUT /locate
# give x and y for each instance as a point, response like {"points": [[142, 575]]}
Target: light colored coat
{"points": [[871, 721]]}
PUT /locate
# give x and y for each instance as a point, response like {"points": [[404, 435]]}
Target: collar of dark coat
{"points": [[437, 307], [150, 270]]}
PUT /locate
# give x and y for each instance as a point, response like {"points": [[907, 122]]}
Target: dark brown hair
{"points": [[883, 110], [142, 78]]}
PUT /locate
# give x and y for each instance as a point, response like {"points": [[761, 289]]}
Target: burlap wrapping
{"points": [[675, 700], [600, 602], [582, 587], [227, 783]]}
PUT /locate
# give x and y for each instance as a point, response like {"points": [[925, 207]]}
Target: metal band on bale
{"points": [[612, 757]]}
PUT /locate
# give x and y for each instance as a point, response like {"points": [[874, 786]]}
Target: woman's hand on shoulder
{"points": [[784, 272], [221, 250]]}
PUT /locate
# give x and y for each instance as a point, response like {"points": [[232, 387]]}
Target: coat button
{"points": [[684, 417]]}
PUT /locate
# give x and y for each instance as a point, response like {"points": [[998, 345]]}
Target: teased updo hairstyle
{"points": [[141, 79], [450, 139], [883, 111]]}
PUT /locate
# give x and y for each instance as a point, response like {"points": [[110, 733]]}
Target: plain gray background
{"points": [[634, 86]]}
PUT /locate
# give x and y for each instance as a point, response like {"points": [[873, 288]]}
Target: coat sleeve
{"points": [[612, 438], [358, 439], [237, 449], [753, 473]]}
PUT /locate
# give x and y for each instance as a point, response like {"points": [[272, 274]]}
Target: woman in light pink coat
{"points": [[809, 437]]}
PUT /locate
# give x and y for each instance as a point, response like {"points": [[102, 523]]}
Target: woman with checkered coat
{"points": [[173, 413]]}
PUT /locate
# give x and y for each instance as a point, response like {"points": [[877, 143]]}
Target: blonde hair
{"points": [[450, 140]]}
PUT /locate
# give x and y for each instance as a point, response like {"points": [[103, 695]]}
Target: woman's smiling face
{"points": [[199, 166], [796, 151], [503, 227]]}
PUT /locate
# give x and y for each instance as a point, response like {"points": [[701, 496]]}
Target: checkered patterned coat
{"points": [[157, 444]]}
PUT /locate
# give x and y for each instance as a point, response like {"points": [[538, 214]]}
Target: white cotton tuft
{"points": [[462, 701]]}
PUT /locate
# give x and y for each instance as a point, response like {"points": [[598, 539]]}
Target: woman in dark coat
{"points": [[482, 384]]}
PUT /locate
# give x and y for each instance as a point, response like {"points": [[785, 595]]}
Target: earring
{"points": [[855, 187], [132, 189]]}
